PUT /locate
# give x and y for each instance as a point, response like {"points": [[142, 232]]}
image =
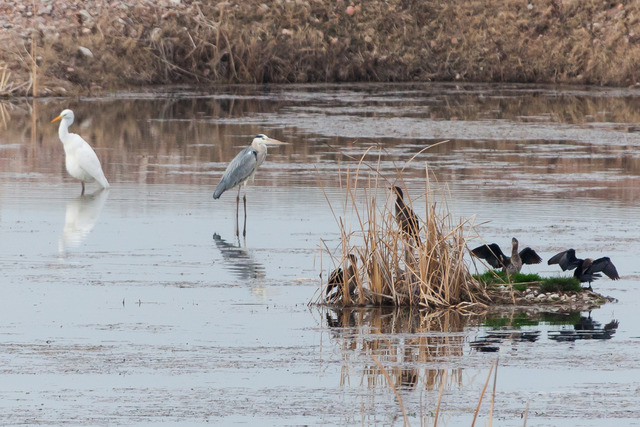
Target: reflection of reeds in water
{"points": [[403, 341], [405, 349], [395, 268]]}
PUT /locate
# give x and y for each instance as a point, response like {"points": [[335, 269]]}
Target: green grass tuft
{"points": [[515, 321], [521, 282], [500, 277], [520, 287], [525, 319], [557, 284]]}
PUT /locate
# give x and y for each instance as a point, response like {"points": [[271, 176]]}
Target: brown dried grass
{"points": [[394, 269], [589, 42]]}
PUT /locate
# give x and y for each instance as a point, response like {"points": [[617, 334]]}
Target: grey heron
{"points": [[586, 270], [496, 259], [81, 161], [241, 169], [406, 217]]}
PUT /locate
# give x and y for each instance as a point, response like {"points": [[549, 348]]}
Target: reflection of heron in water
{"points": [[80, 218], [239, 260]]}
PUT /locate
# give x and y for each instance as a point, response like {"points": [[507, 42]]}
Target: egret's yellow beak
{"points": [[56, 119]]}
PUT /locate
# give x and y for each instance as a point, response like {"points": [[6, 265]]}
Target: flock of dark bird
{"points": [[585, 270]]}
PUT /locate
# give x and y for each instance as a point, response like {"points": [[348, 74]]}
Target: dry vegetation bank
{"points": [[142, 42]]}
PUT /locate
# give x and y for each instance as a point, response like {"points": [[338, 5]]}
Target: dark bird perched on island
{"points": [[496, 259], [586, 270], [406, 217], [339, 277]]}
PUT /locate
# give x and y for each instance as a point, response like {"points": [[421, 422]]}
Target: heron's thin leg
{"points": [[82, 193], [244, 199], [237, 209]]}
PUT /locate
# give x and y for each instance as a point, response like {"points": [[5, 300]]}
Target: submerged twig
{"points": [[393, 387]]}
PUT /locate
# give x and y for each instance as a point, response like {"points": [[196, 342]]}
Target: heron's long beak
{"points": [[273, 141], [56, 119]]}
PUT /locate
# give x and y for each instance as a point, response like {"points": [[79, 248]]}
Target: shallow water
{"points": [[139, 305]]}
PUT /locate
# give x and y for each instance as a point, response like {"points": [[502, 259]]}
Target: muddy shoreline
{"points": [[92, 47]]}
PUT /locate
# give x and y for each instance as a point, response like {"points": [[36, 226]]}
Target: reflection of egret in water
{"points": [[408, 344], [238, 260], [80, 218]]}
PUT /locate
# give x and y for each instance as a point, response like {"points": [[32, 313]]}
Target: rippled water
{"points": [[140, 305]]}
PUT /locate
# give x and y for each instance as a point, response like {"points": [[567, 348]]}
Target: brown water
{"points": [[138, 305]]}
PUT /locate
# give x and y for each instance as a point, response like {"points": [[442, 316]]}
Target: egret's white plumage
{"points": [[81, 161]]}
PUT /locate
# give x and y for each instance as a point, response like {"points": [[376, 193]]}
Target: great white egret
{"points": [[241, 169], [81, 161], [496, 259], [586, 270]]}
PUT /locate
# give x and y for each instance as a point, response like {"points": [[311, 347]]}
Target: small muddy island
{"points": [[389, 255]]}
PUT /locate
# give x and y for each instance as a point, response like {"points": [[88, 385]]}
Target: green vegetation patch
{"points": [[492, 277], [521, 282], [557, 284], [516, 321], [525, 319]]}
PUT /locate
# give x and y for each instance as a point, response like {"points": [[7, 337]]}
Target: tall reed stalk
{"points": [[392, 267]]}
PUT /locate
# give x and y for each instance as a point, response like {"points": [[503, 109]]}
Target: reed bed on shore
{"points": [[148, 43]]}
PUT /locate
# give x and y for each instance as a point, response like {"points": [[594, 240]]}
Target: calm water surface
{"points": [[139, 305]]}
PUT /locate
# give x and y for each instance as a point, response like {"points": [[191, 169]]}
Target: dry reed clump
{"points": [[392, 268]]}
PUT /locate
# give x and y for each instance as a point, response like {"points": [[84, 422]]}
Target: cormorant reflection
{"points": [[580, 328], [586, 328]]}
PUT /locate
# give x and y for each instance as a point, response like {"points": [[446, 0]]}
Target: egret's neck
{"points": [[63, 131]]}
